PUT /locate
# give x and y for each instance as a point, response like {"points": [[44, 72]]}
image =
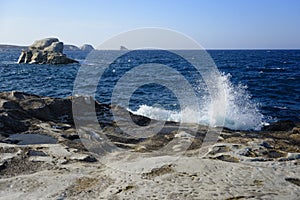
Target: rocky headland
{"points": [[42, 157], [45, 51]]}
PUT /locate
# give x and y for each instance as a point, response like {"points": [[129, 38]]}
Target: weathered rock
{"points": [[45, 51], [32, 115]]}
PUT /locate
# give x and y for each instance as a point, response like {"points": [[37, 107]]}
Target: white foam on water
{"points": [[229, 105]]}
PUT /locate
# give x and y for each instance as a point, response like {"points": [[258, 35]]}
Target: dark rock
{"points": [[285, 125], [295, 181], [3, 165], [248, 152], [25, 139], [45, 51], [36, 153], [266, 145], [11, 124], [261, 159], [6, 104], [227, 158], [71, 137], [47, 109], [89, 158]]}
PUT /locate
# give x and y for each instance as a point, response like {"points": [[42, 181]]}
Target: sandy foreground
{"points": [[65, 174]]}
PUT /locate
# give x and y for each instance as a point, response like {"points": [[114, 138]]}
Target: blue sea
{"points": [[262, 86]]}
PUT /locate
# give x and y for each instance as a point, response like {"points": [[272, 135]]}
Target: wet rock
{"points": [[25, 139], [36, 153], [285, 125]]}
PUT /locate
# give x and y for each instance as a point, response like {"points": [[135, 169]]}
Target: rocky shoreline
{"points": [[42, 157]]}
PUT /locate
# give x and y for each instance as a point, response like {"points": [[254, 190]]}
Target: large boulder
{"points": [[45, 51]]}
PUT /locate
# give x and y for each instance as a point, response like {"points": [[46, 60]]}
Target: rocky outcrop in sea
{"points": [[45, 51], [42, 156]]}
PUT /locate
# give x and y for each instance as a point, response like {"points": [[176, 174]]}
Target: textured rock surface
{"points": [[45, 51], [241, 165]]}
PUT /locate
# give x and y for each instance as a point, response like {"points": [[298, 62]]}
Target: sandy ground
{"points": [[64, 174]]}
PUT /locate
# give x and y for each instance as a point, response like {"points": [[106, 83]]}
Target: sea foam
{"points": [[232, 108]]}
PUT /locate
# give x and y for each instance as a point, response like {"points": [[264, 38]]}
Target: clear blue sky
{"points": [[213, 23]]}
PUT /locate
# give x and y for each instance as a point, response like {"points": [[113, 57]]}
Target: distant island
{"points": [[123, 48]]}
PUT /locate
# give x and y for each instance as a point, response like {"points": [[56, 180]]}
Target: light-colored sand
{"points": [[162, 177]]}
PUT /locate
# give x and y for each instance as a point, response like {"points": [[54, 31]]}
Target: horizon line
{"points": [[230, 48]]}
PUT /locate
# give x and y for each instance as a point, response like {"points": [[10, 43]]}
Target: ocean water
{"points": [[260, 86]]}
